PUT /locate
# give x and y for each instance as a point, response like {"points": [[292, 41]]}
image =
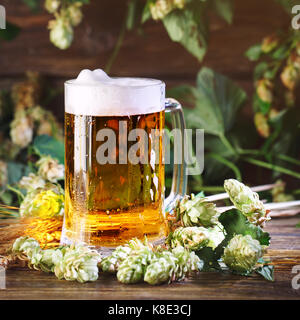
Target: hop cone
{"points": [[46, 260], [25, 246], [192, 238], [197, 212], [78, 263], [50, 169], [175, 265], [242, 253], [61, 33], [246, 201], [52, 5], [112, 262], [133, 268], [46, 202]]}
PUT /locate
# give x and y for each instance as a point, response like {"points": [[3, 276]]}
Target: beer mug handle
{"points": [[179, 182]]}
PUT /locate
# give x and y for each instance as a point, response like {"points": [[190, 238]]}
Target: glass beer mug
{"points": [[114, 172]]}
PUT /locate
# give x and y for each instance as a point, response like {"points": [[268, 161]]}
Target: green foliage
{"points": [[266, 271], [79, 1], [224, 9], [32, 4], [189, 28], [235, 222], [254, 52], [10, 33], [288, 4], [135, 10], [15, 171], [217, 99], [46, 145], [210, 259], [260, 105], [190, 25]]}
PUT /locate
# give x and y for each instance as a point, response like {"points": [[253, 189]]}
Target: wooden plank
{"points": [[152, 55], [29, 284]]}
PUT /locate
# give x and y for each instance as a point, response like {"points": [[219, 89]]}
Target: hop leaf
{"points": [[242, 253], [195, 211], [246, 201], [112, 262], [133, 268]]}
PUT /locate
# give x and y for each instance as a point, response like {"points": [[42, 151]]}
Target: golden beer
{"points": [[114, 160], [109, 204]]}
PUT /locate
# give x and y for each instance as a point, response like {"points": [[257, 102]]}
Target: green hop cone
{"points": [[269, 43], [188, 262], [195, 211], [31, 182], [278, 192], [161, 268], [46, 260], [175, 265], [74, 14], [264, 89], [112, 262], [78, 263], [247, 201], [160, 8], [52, 5], [46, 202], [242, 253], [3, 173], [61, 33], [50, 169], [192, 238], [26, 246], [133, 268]]}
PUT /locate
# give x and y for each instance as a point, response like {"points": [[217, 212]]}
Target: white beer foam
{"points": [[94, 93]]}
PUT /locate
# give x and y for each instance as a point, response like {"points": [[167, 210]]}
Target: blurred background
{"points": [[234, 65]]}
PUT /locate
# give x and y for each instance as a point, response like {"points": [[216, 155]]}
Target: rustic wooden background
{"points": [[284, 252], [150, 55]]}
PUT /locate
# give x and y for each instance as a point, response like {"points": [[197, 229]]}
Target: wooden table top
{"points": [[284, 252]]}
